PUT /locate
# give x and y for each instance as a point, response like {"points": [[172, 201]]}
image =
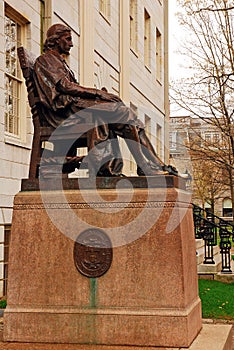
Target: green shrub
{"points": [[3, 303]]}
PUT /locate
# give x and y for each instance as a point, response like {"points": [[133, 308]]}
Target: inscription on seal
{"points": [[93, 253]]}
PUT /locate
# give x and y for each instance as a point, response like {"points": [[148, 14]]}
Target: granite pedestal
{"points": [[149, 295]]}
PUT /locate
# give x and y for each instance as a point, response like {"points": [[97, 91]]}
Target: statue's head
{"points": [[55, 32]]}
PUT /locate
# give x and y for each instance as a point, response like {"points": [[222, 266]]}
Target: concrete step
{"points": [[199, 243], [213, 337], [211, 268], [200, 253], [226, 277]]}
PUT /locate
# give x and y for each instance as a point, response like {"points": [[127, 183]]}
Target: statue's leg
{"points": [[151, 155], [114, 165], [130, 134], [126, 125]]}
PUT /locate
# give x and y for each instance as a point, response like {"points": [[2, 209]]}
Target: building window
{"points": [[216, 139], [42, 23], [227, 207], [133, 25], [7, 235], [172, 140], [148, 126], [208, 138], [146, 39], [12, 76], [158, 139], [5, 246], [132, 164], [158, 55], [134, 108], [45, 19], [104, 8]]}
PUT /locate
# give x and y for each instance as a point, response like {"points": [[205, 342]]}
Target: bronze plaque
{"points": [[93, 253]]}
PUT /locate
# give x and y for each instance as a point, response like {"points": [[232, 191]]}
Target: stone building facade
{"points": [[182, 130], [119, 44]]}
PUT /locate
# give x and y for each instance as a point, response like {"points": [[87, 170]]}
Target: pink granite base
{"points": [[148, 297]]}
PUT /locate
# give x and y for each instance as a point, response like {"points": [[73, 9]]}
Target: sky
{"points": [[176, 60], [175, 33]]}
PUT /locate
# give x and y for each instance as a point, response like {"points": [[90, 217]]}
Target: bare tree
{"points": [[208, 92], [208, 180]]}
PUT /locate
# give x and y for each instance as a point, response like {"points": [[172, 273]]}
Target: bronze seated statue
{"points": [[88, 116]]}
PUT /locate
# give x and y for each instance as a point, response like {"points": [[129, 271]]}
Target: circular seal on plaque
{"points": [[93, 253]]}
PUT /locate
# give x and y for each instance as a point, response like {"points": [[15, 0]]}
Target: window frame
{"points": [[133, 26], [148, 126], [16, 137], [5, 245], [159, 54], [104, 10], [147, 39], [158, 145]]}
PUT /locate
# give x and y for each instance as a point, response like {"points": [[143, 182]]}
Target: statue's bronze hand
{"points": [[108, 96]]}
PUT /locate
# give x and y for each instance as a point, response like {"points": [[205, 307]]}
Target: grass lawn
{"points": [[217, 299]]}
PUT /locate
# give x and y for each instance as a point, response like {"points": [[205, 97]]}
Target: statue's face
{"points": [[65, 43]]}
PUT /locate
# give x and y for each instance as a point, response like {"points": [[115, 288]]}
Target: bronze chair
{"points": [[43, 132]]}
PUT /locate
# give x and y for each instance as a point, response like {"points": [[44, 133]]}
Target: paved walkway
{"points": [[36, 346], [217, 322]]}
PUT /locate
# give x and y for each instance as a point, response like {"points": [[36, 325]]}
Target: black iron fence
{"points": [[214, 231]]}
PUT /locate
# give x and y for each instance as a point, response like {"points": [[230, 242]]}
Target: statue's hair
{"points": [[53, 34]]}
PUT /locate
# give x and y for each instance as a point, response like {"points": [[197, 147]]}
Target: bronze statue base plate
{"points": [[158, 181]]}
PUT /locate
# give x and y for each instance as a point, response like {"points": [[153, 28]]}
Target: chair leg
{"points": [[35, 153]]}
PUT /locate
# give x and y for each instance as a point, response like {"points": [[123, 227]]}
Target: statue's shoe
{"points": [[150, 170], [170, 169]]}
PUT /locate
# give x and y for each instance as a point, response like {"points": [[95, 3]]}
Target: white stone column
{"points": [[87, 27], [124, 39]]}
